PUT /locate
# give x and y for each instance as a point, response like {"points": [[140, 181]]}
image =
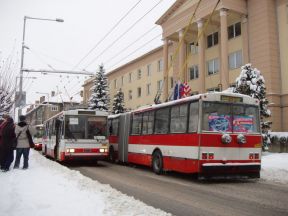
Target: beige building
{"points": [[45, 108], [207, 50]]}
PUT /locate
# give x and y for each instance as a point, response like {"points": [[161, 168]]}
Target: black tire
{"points": [[157, 162], [111, 154]]}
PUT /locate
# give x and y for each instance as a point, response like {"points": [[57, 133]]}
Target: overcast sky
{"points": [[62, 45]]}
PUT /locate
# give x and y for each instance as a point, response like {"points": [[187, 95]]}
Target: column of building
{"points": [[244, 32], [201, 53], [182, 56], [224, 72], [165, 70]]}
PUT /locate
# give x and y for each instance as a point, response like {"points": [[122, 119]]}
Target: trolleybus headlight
{"points": [[102, 150], [226, 138], [241, 139], [70, 150]]}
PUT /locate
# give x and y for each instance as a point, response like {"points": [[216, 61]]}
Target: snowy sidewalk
{"points": [[49, 188]]}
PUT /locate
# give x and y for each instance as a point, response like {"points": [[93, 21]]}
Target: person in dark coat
{"points": [[7, 139]]}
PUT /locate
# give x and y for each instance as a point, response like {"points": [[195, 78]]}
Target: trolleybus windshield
{"points": [[85, 127], [226, 117]]}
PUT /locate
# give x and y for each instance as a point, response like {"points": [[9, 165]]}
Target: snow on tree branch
{"points": [[251, 82], [99, 99]]}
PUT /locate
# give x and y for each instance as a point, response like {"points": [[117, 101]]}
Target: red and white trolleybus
{"points": [[208, 134], [76, 134]]}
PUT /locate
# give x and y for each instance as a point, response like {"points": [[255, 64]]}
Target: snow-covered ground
{"points": [[275, 167], [47, 188]]}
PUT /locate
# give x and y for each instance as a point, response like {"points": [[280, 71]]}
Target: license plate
{"points": [[87, 150]]}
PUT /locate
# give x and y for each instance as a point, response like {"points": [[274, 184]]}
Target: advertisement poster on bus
{"points": [[243, 124], [220, 123]]}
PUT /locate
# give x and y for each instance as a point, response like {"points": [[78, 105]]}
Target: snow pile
{"points": [[48, 188], [275, 167]]}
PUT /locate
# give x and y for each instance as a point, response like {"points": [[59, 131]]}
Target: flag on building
{"points": [[186, 90], [181, 90]]}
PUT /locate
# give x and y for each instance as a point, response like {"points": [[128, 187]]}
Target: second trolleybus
{"points": [[207, 134], [76, 134]]}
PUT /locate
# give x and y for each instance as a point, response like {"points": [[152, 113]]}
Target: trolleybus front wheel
{"points": [[157, 162]]}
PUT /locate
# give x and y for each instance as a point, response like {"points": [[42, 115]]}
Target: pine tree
{"points": [[118, 103], [252, 83], [99, 99], [5, 100]]}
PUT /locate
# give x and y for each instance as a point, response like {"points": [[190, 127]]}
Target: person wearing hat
{"points": [[7, 139], [23, 147]]}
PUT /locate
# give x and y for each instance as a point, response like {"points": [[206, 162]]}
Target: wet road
{"points": [[183, 195]]}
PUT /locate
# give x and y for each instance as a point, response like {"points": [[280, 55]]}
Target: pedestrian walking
{"points": [[7, 140], [23, 131]]}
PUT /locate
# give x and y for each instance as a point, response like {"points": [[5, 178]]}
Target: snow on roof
{"points": [[64, 98]]}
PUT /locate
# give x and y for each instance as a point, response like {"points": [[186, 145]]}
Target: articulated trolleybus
{"points": [[211, 134], [76, 134]]}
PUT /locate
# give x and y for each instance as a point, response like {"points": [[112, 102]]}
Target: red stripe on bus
{"points": [[165, 139], [214, 140], [207, 140]]}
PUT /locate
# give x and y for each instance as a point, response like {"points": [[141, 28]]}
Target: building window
{"points": [[234, 30], [139, 74], [122, 80], [160, 65], [159, 85], [212, 39], [139, 92], [171, 60], [130, 94], [54, 108], [215, 89], [115, 83], [149, 89], [287, 13], [149, 72], [130, 77], [213, 66], [194, 72], [171, 82], [193, 48], [235, 60]]}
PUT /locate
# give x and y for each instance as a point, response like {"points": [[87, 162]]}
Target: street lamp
{"points": [[22, 54]]}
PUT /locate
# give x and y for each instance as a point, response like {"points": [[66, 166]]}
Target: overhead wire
{"points": [[135, 51], [137, 40], [201, 33], [105, 36], [118, 38]]}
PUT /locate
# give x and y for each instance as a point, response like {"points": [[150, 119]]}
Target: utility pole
{"points": [[22, 57]]}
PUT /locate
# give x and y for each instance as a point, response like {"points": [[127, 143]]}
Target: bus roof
{"points": [[212, 96], [80, 112]]}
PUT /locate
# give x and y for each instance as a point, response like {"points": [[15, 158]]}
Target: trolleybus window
{"points": [[230, 118], [136, 124], [148, 122], [85, 127], [193, 116], [179, 119], [162, 121], [245, 119], [113, 128]]}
